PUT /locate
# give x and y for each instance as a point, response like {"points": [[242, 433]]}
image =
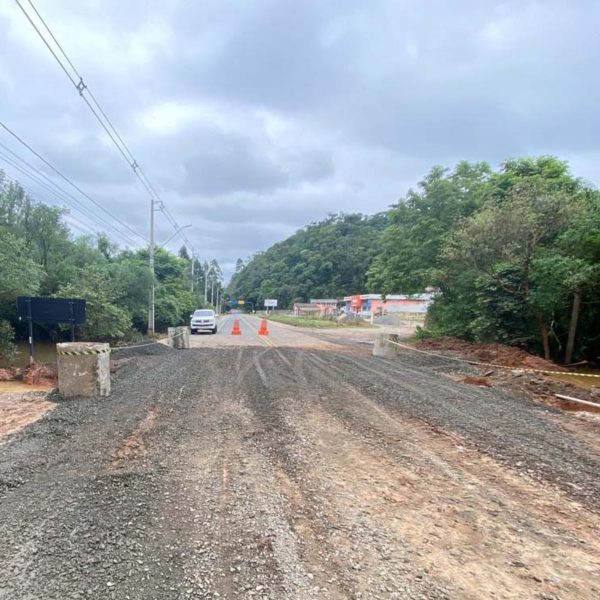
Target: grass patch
{"points": [[315, 322]]}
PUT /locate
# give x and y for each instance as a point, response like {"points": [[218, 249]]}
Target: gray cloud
{"points": [[255, 118]]}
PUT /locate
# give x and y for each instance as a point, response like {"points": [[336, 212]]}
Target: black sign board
{"points": [[50, 310]]}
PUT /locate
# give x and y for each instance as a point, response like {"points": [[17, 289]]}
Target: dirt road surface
{"points": [[290, 466]]}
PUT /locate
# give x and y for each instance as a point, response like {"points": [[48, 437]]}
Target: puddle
{"points": [[19, 386], [43, 352], [581, 381]]}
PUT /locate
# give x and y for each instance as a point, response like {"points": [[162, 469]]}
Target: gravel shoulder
{"points": [[277, 472]]}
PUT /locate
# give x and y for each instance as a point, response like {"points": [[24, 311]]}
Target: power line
{"points": [[93, 217], [47, 184], [40, 179], [81, 84], [106, 123], [73, 185], [51, 34], [83, 227]]}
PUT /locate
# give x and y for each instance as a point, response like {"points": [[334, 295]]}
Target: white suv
{"points": [[203, 319]]}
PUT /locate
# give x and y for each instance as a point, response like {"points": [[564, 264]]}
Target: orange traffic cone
{"points": [[263, 330], [236, 328]]}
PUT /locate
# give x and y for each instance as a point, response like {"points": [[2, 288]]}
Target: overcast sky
{"points": [[254, 118]]}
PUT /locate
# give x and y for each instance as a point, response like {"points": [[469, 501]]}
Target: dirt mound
{"points": [[40, 374], [10, 374], [538, 387], [491, 353], [480, 381]]}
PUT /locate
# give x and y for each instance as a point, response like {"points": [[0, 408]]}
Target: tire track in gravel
{"points": [[521, 521], [522, 436], [62, 460], [271, 395], [345, 546], [278, 473]]}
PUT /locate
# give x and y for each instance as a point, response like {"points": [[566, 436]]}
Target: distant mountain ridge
{"points": [[328, 259]]}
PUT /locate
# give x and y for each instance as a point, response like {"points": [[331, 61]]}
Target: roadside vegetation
{"points": [[318, 322], [514, 254], [39, 255]]}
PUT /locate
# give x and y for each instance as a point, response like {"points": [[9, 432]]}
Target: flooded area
{"points": [[581, 380], [19, 386], [43, 352], [21, 408]]}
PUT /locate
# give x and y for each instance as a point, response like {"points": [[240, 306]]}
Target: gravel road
{"points": [[268, 471]]}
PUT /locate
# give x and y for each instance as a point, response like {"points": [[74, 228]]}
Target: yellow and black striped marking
{"points": [[82, 352]]}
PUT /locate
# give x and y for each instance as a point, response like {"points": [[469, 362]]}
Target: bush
{"points": [[7, 342]]}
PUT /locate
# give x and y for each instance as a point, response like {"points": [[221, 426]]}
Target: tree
{"points": [[105, 317], [183, 253], [505, 238], [239, 265], [325, 259], [420, 224], [20, 274]]}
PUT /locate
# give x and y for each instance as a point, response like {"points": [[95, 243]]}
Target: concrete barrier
{"points": [[382, 346], [83, 369], [179, 337]]}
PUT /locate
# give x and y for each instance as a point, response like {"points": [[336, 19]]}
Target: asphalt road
{"points": [[289, 466]]}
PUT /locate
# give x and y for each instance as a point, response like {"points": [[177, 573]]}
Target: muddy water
{"points": [[19, 386], [43, 352], [584, 382]]}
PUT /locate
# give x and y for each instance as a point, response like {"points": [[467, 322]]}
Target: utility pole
{"points": [[206, 286], [217, 306], [193, 261], [212, 290], [151, 255]]}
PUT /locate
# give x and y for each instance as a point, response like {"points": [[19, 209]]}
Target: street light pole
{"points": [[206, 283], [192, 285], [151, 260], [151, 311]]}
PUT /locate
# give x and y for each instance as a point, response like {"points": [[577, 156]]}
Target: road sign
{"points": [[50, 310], [233, 302], [270, 303], [241, 302]]}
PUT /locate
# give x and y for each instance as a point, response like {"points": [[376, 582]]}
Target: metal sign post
{"points": [[72, 321], [270, 303], [30, 320]]}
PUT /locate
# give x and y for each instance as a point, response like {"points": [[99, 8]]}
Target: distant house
{"points": [[319, 307], [378, 304], [326, 306]]}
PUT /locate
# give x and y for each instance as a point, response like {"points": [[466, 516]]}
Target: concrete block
{"points": [[83, 369], [179, 337], [382, 346]]}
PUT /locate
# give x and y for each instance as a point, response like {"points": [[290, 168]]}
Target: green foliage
{"points": [[508, 250], [326, 260], [315, 322], [7, 342], [20, 275], [105, 317], [420, 224], [38, 256]]}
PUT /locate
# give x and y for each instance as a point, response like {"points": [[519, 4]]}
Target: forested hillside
{"points": [[515, 254], [329, 259], [40, 256]]}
